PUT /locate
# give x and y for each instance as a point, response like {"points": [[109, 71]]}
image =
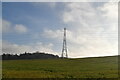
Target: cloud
{"points": [[92, 31], [110, 11], [52, 34], [8, 27], [17, 49], [20, 28]]}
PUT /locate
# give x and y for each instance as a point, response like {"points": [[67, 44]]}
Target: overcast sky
{"points": [[92, 28]]}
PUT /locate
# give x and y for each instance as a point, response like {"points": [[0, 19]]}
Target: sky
{"points": [[92, 28]]}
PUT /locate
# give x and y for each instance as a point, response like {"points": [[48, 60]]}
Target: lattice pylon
{"points": [[64, 49]]}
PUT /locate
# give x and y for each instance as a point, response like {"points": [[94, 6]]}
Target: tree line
{"points": [[35, 55]]}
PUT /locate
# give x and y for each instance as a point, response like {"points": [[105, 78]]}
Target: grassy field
{"points": [[104, 67]]}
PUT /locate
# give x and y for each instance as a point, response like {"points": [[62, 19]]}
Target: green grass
{"points": [[104, 67]]}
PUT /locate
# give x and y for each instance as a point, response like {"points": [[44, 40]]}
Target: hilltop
{"points": [[98, 67]]}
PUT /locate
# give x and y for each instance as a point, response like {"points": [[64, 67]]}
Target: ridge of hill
{"points": [[97, 67]]}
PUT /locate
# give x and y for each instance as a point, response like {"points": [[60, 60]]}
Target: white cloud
{"points": [[52, 34], [17, 49], [8, 27], [92, 31], [110, 11], [67, 17], [20, 28]]}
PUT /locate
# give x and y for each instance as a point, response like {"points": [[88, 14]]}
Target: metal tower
{"points": [[64, 49]]}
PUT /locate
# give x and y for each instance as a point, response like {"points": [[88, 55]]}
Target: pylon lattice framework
{"points": [[64, 49]]}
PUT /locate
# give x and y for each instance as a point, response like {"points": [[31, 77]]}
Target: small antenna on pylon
{"points": [[64, 49]]}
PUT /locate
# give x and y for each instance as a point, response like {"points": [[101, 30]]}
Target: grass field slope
{"points": [[99, 67]]}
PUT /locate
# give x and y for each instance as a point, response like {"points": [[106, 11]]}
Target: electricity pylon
{"points": [[64, 49]]}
